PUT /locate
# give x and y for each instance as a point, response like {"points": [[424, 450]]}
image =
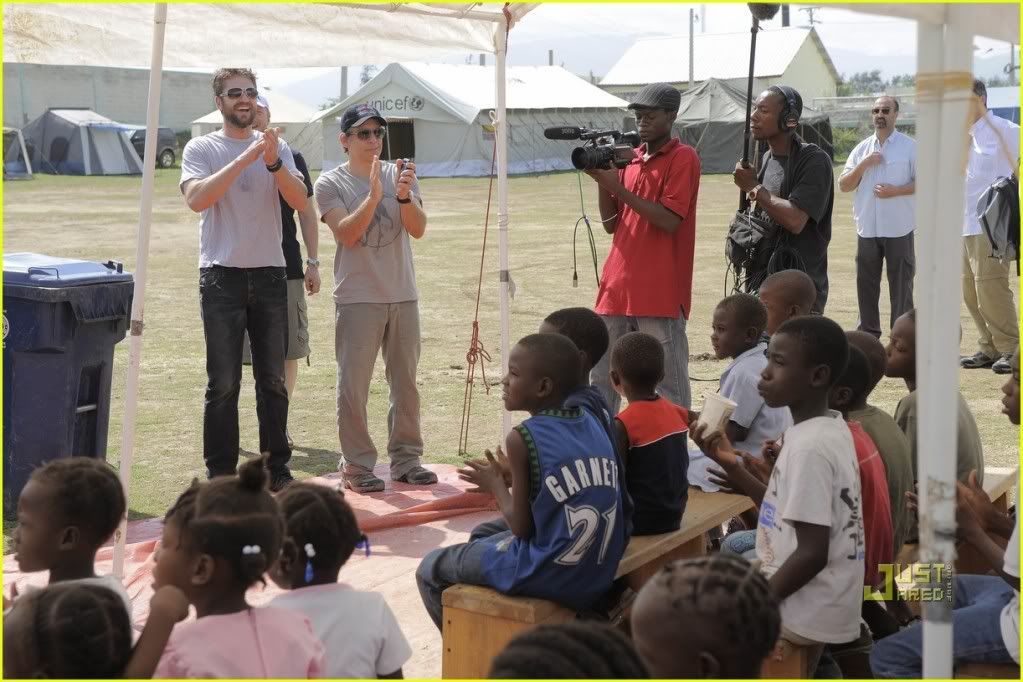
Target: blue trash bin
{"points": [[62, 319]]}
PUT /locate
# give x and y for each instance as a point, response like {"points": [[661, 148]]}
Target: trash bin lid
{"points": [[51, 272]]}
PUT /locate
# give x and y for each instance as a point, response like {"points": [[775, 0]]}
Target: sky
{"points": [[591, 37]]}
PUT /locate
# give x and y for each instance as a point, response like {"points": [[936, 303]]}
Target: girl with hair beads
{"points": [[360, 633], [219, 538], [67, 510]]}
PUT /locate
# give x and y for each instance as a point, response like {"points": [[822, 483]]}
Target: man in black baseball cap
{"points": [[357, 114], [650, 208]]}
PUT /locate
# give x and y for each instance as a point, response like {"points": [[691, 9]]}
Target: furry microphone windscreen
{"points": [[763, 11]]}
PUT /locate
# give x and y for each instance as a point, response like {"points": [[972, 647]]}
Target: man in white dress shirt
{"points": [[881, 170], [994, 152]]}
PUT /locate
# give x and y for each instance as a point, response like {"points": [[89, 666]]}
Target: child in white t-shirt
{"points": [[358, 630], [810, 529], [736, 329]]}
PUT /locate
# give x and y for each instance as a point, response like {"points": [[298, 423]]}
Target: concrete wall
{"points": [[119, 94]]}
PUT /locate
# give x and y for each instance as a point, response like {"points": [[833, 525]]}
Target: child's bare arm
{"points": [[736, 433], [622, 444], [520, 514], [809, 559], [167, 607]]}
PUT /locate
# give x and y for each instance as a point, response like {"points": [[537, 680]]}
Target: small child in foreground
{"points": [[706, 618], [650, 436], [361, 637], [566, 533]]}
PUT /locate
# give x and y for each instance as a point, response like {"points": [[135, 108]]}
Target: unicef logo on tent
{"points": [[395, 104], [415, 103]]}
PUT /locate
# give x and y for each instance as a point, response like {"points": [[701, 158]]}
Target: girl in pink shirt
{"points": [[219, 539]]}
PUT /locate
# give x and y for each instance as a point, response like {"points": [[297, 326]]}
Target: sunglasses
{"points": [[366, 134], [880, 110], [235, 93]]}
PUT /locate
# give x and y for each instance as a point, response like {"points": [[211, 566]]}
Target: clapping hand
{"points": [[271, 137], [486, 476], [715, 444], [376, 188], [406, 176]]}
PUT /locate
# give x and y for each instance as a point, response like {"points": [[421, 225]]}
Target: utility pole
{"points": [[703, 18], [550, 57], [483, 59], [784, 16], [809, 13], [344, 83], [692, 19]]}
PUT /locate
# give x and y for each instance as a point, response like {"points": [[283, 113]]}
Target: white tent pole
{"points": [[131, 390], [501, 45], [944, 61]]}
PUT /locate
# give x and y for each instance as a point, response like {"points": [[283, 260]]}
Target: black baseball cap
{"points": [[357, 114], [657, 96]]}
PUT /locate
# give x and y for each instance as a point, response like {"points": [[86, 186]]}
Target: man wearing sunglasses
{"points": [[374, 209], [881, 170], [232, 178], [649, 208]]}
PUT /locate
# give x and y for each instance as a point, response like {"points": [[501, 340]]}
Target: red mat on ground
{"points": [[403, 523]]}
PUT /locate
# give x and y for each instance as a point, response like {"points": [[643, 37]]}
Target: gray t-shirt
{"points": [[378, 269], [243, 228]]}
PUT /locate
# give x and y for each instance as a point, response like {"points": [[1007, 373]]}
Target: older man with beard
{"points": [[232, 177], [881, 170]]}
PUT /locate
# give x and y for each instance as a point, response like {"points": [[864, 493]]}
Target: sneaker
{"points": [[1002, 365], [280, 480], [362, 483], [417, 475], [287, 435], [976, 361]]}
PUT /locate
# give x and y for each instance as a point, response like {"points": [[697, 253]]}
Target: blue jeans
{"points": [[233, 300], [461, 563], [976, 631], [671, 332]]}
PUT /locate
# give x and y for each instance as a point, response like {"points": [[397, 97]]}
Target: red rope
{"points": [[477, 350]]}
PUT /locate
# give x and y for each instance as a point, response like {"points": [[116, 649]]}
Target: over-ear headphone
{"points": [[788, 118]]}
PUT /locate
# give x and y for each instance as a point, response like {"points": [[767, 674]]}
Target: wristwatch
{"points": [[276, 166], [315, 262], [406, 200], [752, 194]]}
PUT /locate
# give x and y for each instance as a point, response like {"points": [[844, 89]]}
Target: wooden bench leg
{"points": [[694, 548], [471, 640]]}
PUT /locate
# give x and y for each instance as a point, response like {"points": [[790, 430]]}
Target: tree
{"points": [[903, 81], [331, 102], [368, 71], [997, 81], [862, 83]]}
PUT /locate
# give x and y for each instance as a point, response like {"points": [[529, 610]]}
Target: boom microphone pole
{"points": [[761, 12]]}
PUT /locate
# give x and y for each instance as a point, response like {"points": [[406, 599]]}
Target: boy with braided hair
{"points": [[361, 636], [579, 650], [68, 509], [710, 617]]}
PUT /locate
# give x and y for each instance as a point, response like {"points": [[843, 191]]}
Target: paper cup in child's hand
{"points": [[716, 411]]}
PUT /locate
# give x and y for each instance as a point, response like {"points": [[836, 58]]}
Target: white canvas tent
{"points": [[80, 142], [440, 114], [267, 34], [293, 117], [17, 165]]}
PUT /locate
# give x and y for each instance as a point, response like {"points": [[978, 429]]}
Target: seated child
{"points": [[902, 365], [705, 618], [566, 534], [891, 442], [738, 324], [360, 634], [576, 650], [810, 529], [786, 294], [68, 509], [219, 538], [650, 434], [877, 507], [985, 611]]}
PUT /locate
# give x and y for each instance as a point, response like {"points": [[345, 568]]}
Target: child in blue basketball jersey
{"points": [[566, 534]]}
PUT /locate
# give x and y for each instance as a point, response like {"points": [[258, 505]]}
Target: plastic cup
{"points": [[716, 411]]}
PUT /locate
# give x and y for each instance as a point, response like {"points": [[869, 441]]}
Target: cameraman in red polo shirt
{"points": [[650, 209]]}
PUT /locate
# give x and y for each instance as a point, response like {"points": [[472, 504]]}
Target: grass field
{"points": [[96, 219]]}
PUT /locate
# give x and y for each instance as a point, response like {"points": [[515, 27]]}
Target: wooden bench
{"points": [[478, 622], [995, 671]]}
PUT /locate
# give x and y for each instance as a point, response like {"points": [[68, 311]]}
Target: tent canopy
{"points": [[16, 163], [715, 55], [258, 35], [440, 114], [711, 118], [80, 142]]}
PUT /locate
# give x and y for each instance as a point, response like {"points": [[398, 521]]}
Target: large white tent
{"points": [[440, 114], [265, 35], [299, 123]]}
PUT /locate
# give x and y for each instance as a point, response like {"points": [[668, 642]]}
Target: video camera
{"points": [[603, 148]]}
